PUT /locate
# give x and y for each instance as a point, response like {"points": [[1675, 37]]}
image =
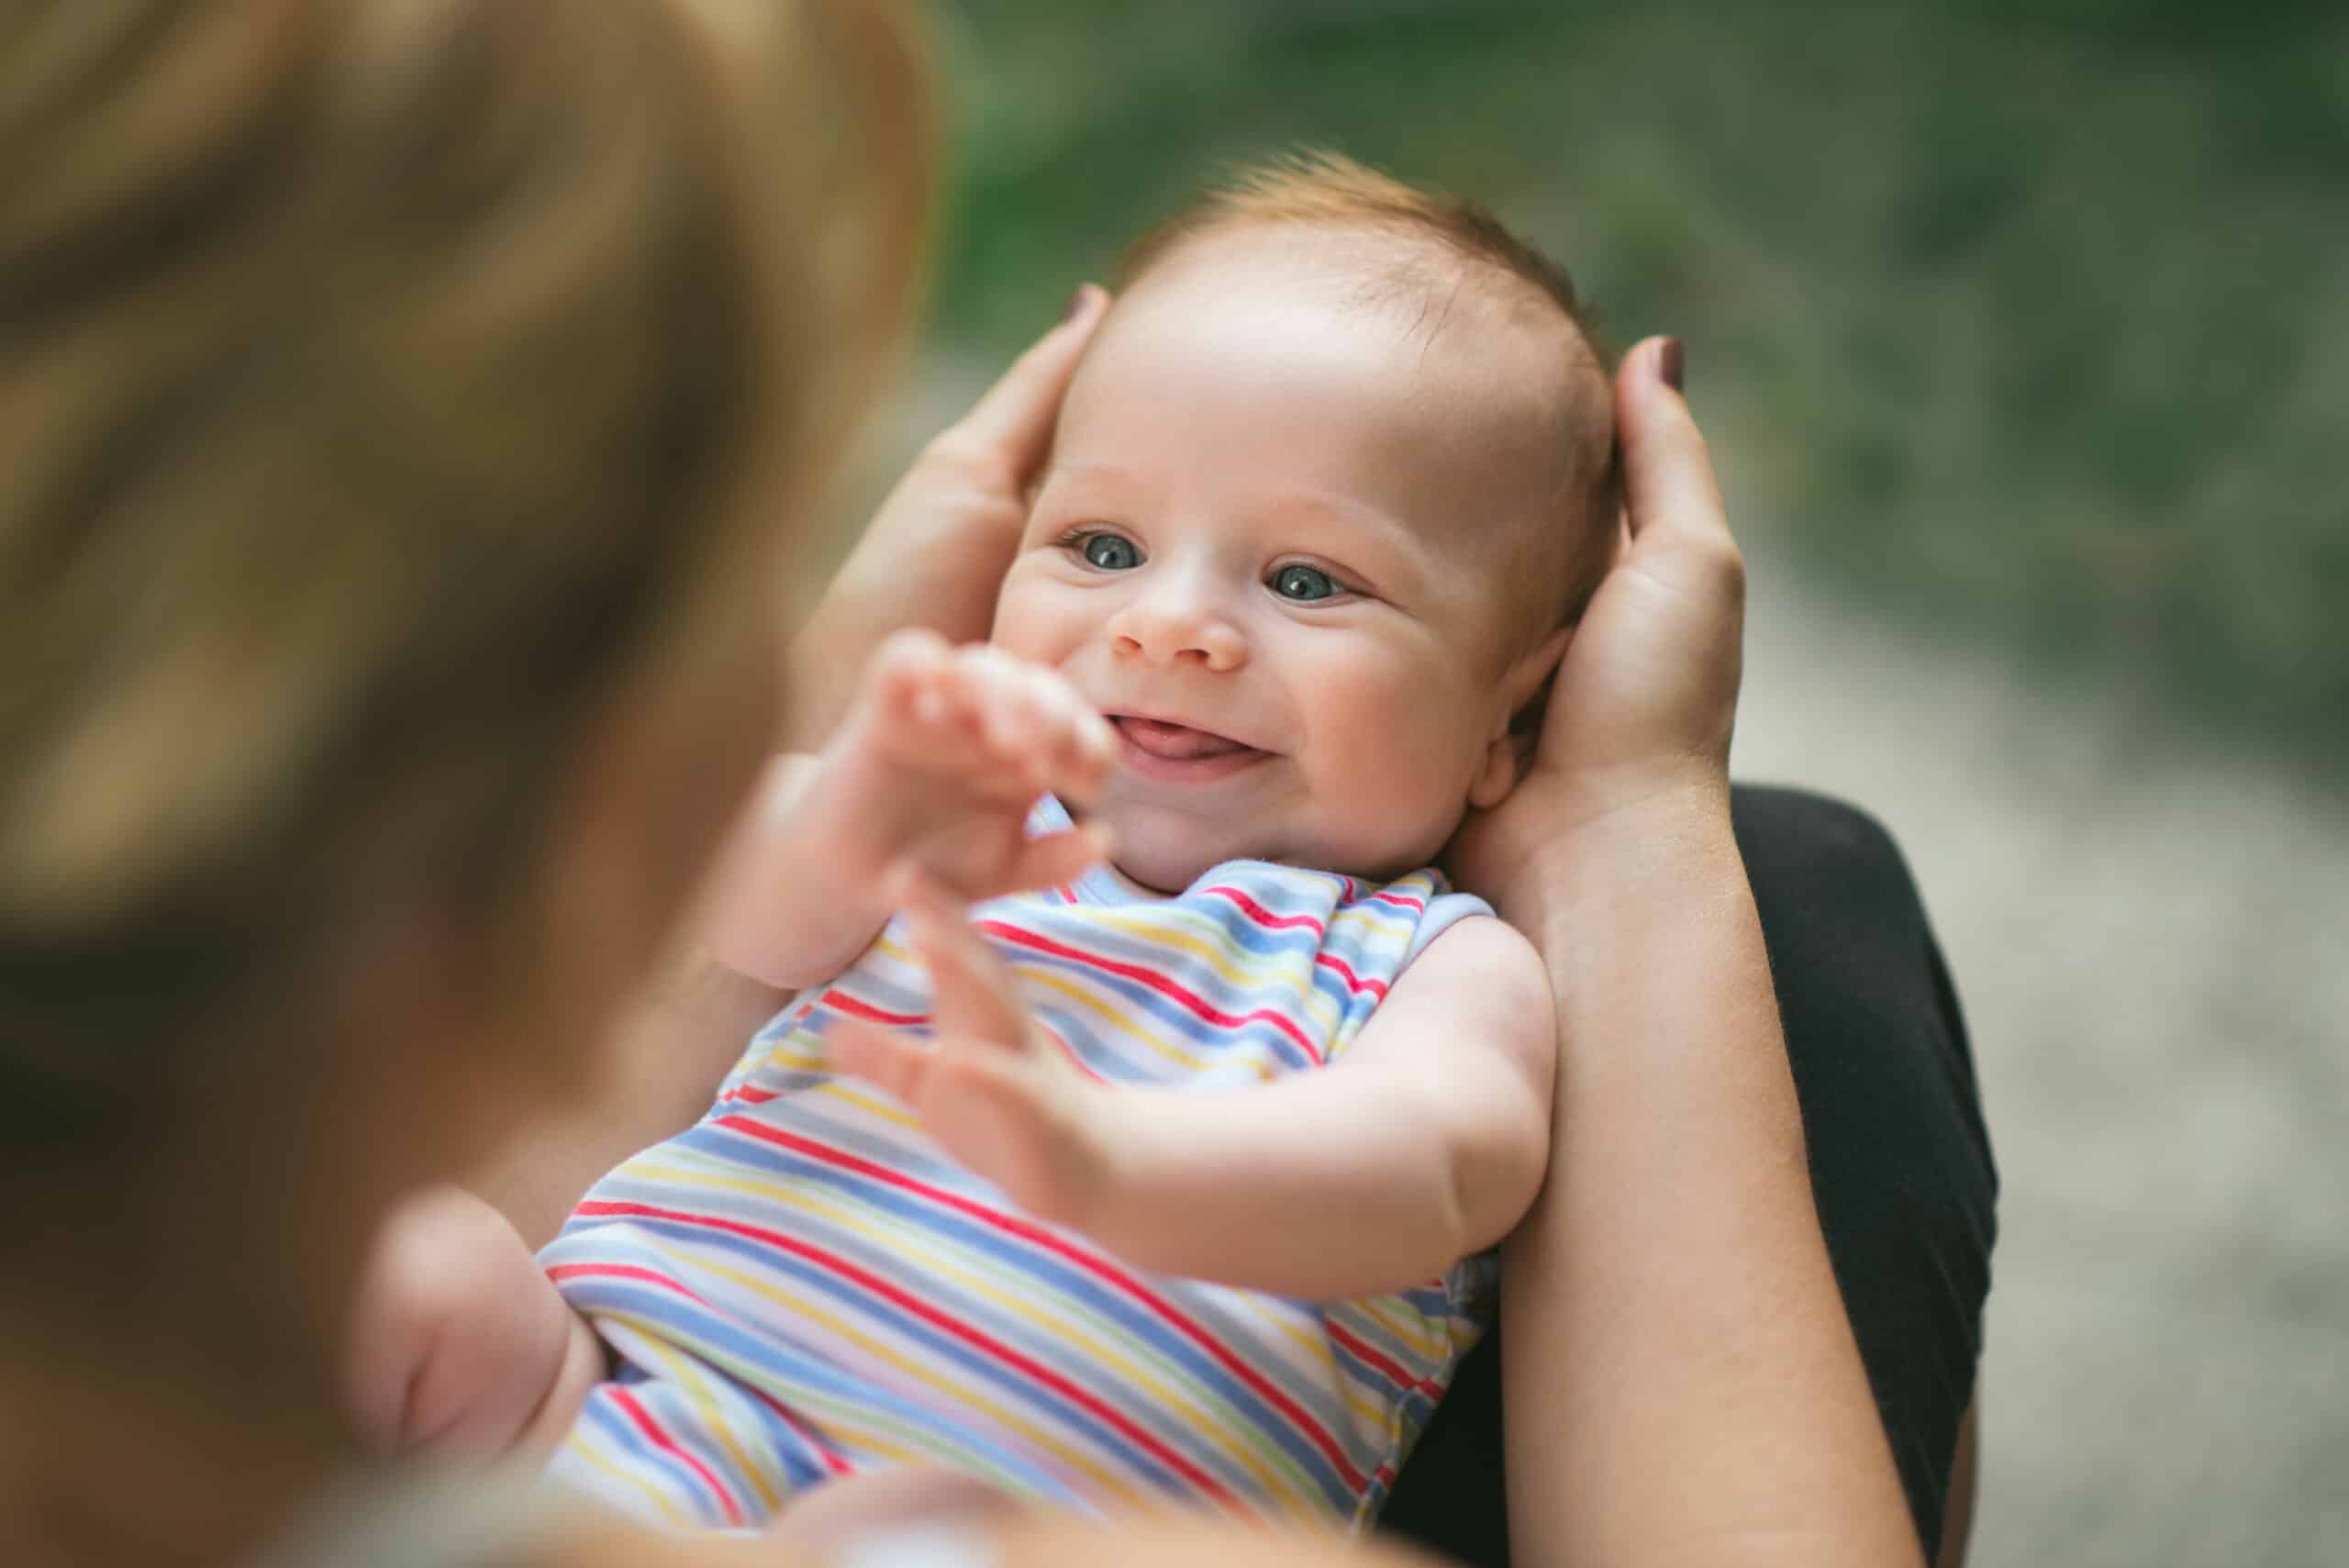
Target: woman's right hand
{"points": [[936, 551], [1640, 712]]}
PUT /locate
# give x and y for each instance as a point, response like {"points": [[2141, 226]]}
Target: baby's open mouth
{"points": [[1159, 747]]}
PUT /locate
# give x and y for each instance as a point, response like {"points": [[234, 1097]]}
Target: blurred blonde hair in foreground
{"points": [[386, 386]]}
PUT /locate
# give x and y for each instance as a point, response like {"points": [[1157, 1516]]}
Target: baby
{"points": [[1182, 1175]]}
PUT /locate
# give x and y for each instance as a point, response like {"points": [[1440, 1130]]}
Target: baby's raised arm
{"points": [[942, 755], [1425, 1143]]}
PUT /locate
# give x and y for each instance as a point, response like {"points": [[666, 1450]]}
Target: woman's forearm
{"points": [[1684, 1384]]}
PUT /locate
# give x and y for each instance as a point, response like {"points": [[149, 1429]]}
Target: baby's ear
{"points": [[1508, 746]]}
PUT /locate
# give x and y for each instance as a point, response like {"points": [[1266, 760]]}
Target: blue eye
{"points": [[1303, 583], [1110, 552]]}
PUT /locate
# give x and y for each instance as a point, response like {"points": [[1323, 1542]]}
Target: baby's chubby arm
{"points": [[459, 1344], [942, 755], [1424, 1144]]}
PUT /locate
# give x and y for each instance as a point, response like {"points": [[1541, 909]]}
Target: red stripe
{"points": [[1158, 983], [623, 1270], [1070, 1051], [1399, 901], [1263, 917], [1355, 981], [840, 1001], [1092, 1263], [661, 1439], [1372, 1359], [906, 1301], [832, 1462]]}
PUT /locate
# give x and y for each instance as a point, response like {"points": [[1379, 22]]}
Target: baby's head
{"points": [[1327, 493]]}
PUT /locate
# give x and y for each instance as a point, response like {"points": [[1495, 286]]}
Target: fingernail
{"points": [[1078, 301], [1672, 362]]}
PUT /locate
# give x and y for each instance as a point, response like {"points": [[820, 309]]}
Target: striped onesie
{"points": [[803, 1284]]}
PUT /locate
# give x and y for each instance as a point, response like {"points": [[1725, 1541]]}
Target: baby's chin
{"points": [[1169, 858]]}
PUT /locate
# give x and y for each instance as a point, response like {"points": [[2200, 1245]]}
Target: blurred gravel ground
{"points": [[2147, 934]]}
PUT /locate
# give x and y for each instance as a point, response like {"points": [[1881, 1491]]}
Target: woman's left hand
{"points": [[936, 551], [1637, 724]]}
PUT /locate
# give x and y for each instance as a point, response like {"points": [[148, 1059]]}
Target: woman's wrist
{"points": [[1647, 843]]}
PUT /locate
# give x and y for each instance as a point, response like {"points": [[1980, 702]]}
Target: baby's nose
{"points": [[1178, 628]]}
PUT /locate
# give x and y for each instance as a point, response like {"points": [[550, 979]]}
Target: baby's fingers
{"points": [[1045, 862], [905, 667], [1075, 746], [881, 1057], [971, 996], [1034, 720]]}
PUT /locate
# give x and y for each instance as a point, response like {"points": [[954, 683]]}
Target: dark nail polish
{"points": [[1672, 362], [1077, 302]]}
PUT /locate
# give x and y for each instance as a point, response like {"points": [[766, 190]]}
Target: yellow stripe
{"points": [[1125, 1023], [1141, 1375], [956, 1393], [1361, 1404], [1152, 925], [578, 1444], [810, 1057], [683, 1373], [1407, 1324], [856, 1423]]}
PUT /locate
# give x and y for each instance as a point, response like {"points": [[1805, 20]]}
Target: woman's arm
{"points": [[1683, 1384]]}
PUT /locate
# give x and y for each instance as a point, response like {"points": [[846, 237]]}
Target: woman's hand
{"points": [[936, 549], [1669, 1304], [1640, 712]]}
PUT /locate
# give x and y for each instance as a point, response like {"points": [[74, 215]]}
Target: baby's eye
{"points": [[1108, 551], [1303, 583]]}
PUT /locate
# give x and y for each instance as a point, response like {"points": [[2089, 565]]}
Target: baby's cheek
{"points": [[1029, 620], [1394, 813]]}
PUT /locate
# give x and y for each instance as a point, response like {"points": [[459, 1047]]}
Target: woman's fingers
{"points": [[1669, 491], [971, 996], [1013, 423]]}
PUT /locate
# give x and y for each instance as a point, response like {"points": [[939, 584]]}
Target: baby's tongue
{"points": [[1175, 741]]}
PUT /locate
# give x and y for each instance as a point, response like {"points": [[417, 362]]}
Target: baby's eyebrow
{"points": [[1355, 518], [1085, 477]]}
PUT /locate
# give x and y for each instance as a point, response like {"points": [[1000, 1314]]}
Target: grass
{"points": [[2025, 321]]}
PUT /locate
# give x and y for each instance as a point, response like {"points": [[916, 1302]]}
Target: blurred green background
{"points": [[2025, 323]]}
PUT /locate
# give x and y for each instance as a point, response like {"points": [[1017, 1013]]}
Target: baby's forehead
{"points": [[1492, 358]]}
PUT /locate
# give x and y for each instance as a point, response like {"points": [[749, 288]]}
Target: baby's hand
{"points": [[943, 754], [996, 1091]]}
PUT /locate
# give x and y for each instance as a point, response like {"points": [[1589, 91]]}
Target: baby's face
{"points": [[1264, 551]]}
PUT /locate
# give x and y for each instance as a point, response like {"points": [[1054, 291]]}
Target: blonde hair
{"points": [[384, 385], [1433, 242]]}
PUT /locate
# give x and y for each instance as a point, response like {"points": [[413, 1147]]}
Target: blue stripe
{"points": [[1052, 1273]]}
